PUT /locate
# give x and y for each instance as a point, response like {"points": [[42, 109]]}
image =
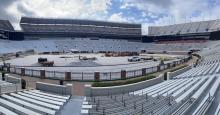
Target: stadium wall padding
{"points": [[17, 36], [59, 89], [215, 35]]}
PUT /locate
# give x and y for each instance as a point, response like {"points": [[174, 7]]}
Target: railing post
{"points": [[54, 74], [146, 97], [142, 108], [96, 108], [8, 69], [103, 110], [134, 73], [122, 98], [14, 70], [134, 105], [82, 76], [32, 74]]}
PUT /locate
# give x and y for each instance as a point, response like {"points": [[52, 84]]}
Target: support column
{"points": [[42, 74], [168, 65], [23, 71], [158, 68], [8, 69], [97, 76], [67, 75], [123, 74], [143, 71]]}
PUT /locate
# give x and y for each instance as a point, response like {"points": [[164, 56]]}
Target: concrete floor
{"points": [[72, 107]]}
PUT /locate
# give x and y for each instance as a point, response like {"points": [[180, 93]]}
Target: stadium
{"points": [[66, 66]]}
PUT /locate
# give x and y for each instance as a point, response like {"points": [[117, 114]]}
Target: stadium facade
{"points": [[35, 28], [45, 28]]}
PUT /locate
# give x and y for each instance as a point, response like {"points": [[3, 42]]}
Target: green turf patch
{"points": [[122, 82]]}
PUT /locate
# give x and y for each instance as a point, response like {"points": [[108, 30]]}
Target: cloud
{"points": [[165, 12], [117, 17], [4, 4], [77, 9], [156, 6]]}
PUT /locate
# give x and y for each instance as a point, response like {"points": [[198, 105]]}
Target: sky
{"points": [[145, 12]]}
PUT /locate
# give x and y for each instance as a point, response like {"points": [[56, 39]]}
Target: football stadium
{"points": [[80, 66]]}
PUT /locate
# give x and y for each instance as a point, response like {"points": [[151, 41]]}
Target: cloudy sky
{"points": [[146, 12]]}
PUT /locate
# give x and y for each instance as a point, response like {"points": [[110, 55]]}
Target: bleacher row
{"points": [[192, 92], [86, 44], [25, 20], [79, 26], [14, 101], [80, 29], [31, 102], [201, 70], [158, 99]]}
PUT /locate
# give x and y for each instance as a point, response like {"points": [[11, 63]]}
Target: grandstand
{"points": [[192, 90], [99, 45], [202, 30], [185, 28], [53, 28], [5, 28], [15, 101]]}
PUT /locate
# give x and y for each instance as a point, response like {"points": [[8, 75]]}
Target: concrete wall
{"points": [[101, 91], [14, 87], [59, 89], [170, 75], [14, 80]]}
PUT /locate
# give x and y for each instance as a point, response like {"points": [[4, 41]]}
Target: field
{"points": [[72, 62]]}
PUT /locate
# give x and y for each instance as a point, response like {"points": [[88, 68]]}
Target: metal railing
{"points": [[90, 76]]}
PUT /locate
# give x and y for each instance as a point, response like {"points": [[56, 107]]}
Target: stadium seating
{"points": [[185, 28], [14, 101], [72, 27], [6, 25], [217, 110], [31, 102], [87, 44], [192, 92]]}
